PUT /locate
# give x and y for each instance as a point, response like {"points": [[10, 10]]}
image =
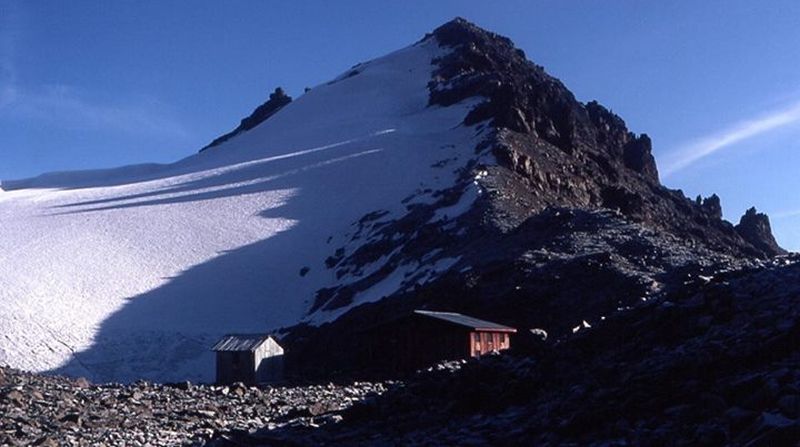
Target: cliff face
{"points": [[553, 150], [522, 97]]}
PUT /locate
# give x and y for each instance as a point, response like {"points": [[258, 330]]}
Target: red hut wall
{"points": [[484, 342]]}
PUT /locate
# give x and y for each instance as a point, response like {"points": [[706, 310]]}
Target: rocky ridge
{"points": [[552, 150], [277, 100]]}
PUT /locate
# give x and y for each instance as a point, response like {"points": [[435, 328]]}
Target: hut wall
{"points": [[269, 362], [484, 342], [414, 343], [235, 366]]}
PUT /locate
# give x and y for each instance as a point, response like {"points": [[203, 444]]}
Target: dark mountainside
{"points": [[715, 363], [574, 224], [665, 324]]}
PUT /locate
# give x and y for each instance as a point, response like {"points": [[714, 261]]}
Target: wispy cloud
{"points": [[688, 154], [9, 31], [784, 214], [8, 94], [67, 106]]}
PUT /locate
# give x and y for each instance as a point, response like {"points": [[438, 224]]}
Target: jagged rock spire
{"points": [[754, 227]]}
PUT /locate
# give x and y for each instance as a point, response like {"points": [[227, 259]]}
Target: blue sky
{"points": [[716, 84]]}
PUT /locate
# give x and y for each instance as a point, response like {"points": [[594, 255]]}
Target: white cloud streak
{"points": [[687, 155]]}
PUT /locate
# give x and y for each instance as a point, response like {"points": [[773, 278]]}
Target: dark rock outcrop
{"points": [[277, 100], [711, 205], [555, 151], [557, 269], [754, 227], [523, 98]]}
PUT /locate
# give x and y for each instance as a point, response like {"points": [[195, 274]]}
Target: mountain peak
{"points": [[523, 98], [460, 30], [562, 152]]}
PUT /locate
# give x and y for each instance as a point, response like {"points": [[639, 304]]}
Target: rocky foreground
{"points": [[55, 411]]}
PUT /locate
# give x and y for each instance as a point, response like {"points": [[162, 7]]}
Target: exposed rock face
{"points": [[554, 151], [557, 269], [636, 150], [754, 227], [711, 205], [277, 100], [523, 98]]}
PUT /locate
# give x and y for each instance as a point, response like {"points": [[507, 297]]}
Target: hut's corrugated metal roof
{"points": [[463, 320], [240, 342]]}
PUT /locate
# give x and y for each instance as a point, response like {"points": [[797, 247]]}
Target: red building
{"points": [[426, 337]]}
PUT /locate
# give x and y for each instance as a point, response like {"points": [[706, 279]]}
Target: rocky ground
{"points": [[714, 363], [55, 411]]}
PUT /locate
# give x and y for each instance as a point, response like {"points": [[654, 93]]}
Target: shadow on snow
{"points": [[165, 334]]}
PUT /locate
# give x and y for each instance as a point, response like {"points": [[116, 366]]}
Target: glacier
{"points": [[132, 273]]}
